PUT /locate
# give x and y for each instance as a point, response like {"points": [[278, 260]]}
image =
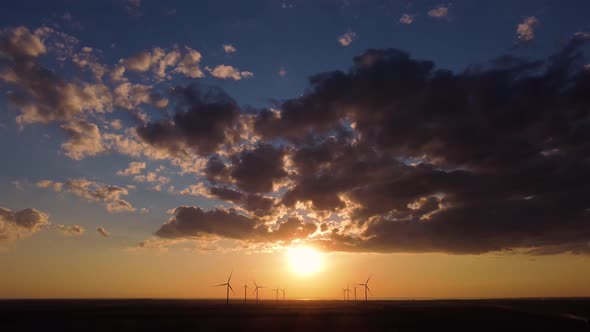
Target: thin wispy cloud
{"points": [[525, 31], [406, 19], [347, 38]]}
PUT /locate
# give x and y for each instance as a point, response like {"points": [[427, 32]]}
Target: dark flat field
{"points": [[205, 315]]}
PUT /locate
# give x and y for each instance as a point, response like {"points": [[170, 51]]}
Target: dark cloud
{"points": [[193, 222], [16, 225], [258, 169], [205, 119], [255, 203], [189, 221], [412, 158]]}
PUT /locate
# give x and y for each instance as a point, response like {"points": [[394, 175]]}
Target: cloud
{"points": [[39, 94], [151, 177], [193, 222], [419, 159], [108, 195], [103, 232], [439, 12], [347, 38], [84, 140], [70, 230], [158, 60], [17, 225], [228, 48], [228, 72], [19, 42], [254, 203], [189, 64], [134, 168], [406, 19], [258, 169], [206, 119], [525, 31]]}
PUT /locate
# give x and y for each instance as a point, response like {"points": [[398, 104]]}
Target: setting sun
{"points": [[304, 261]]}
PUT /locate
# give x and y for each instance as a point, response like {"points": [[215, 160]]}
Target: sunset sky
{"points": [[149, 148]]}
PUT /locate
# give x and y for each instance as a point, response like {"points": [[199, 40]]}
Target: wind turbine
{"points": [[283, 290], [256, 290], [228, 287], [245, 289], [366, 285], [276, 290], [347, 291], [355, 293]]}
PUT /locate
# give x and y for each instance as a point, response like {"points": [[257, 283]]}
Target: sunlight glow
{"points": [[304, 261]]}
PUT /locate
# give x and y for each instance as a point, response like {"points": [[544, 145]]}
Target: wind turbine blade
{"points": [[369, 278], [228, 279], [232, 290], [254, 291], [360, 284], [220, 285], [255, 284], [369, 290]]}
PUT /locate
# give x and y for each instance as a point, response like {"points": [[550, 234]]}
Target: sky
{"points": [[151, 148]]}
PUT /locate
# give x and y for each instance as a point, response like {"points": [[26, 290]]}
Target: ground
{"points": [[212, 315]]}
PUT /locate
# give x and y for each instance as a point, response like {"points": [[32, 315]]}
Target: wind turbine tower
{"points": [[366, 286], [256, 290], [227, 287], [245, 290]]}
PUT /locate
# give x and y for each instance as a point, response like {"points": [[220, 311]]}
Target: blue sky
{"points": [[297, 38]]}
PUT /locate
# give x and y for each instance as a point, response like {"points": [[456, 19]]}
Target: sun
{"points": [[304, 261]]}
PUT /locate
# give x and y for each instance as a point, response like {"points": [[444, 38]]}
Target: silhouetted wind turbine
{"points": [[228, 287], [276, 290], [355, 293], [366, 285], [245, 289], [256, 290], [283, 290], [347, 291]]}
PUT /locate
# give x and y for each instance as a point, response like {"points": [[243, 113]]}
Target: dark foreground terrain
{"points": [[199, 315]]}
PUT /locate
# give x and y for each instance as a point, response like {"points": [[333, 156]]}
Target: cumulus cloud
{"points": [[347, 38], [16, 43], [108, 195], [84, 140], [406, 19], [439, 12], [158, 60], [71, 230], [17, 225], [40, 94], [103, 232], [193, 222], [525, 31], [189, 64], [228, 48], [258, 169], [228, 72], [396, 155], [206, 119], [134, 168]]}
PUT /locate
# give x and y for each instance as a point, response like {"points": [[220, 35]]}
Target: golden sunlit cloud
{"points": [[304, 261]]}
